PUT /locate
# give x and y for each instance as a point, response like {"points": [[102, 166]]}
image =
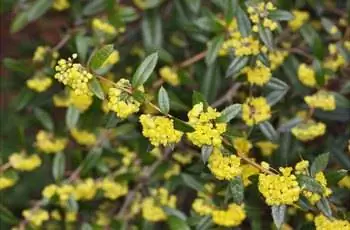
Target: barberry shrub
{"points": [[176, 114]]}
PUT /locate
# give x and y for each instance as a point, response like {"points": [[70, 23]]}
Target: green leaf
{"points": [[236, 66], [112, 120], [175, 223], [23, 99], [237, 190], [213, 49], [197, 98], [86, 226], [6, 216], [20, 21], [313, 39], [163, 101], [324, 206], [280, 15], [286, 127], [309, 183], [334, 176], [58, 166], [15, 65], [182, 126], [193, 5], [44, 118], [174, 212], [152, 32], [39, 8], [278, 215], [128, 14], [341, 101], [145, 70], [277, 84], [100, 56], [192, 183], [96, 88], [243, 21], [230, 9], [94, 7], [82, 43], [72, 116], [229, 113], [266, 36], [210, 83], [206, 150], [319, 164], [72, 205], [268, 130], [275, 96], [328, 25], [90, 160]]}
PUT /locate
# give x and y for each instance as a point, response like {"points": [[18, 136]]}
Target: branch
{"points": [[228, 95]]}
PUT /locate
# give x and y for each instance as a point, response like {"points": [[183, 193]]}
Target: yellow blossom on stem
{"points": [[40, 53], [300, 18], [64, 192], [169, 75], [36, 216], [6, 182], [247, 171], [202, 207], [101, 26], [259, 74], [71, 216], [258, 14], [83, 137], [315, 197], [277, 58], [224, 167], [322, 100], [242, 145], [230, 217], [324, 223], [301, 166], [22, 162], [344, 182], [307, 75], [47, 143], [113, 190], [112, 59], [174, 170], [49, 191], [39, 84], [255, 110], [85, 190], [182, 158], [309, 130], [266, 147], [60, 5]]}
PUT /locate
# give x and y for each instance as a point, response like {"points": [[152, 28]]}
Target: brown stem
{"points": [[227, 96], [4, 167], [192, 60]]}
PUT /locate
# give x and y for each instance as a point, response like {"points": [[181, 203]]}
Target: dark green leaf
{"points": [[90, 160], [210, 83], [128, 14], [341, 101], [44, 118], [334, 176], [175, 223], [72, 116], [236, 65], [112, 121], [174, 212], [94, 7], [278, 215], [72, 205], [145, 70], [163, 101], [86, 226], [152, 32], [329, 26], [39, 8], [230, 9], [268, 130], [193, 5], [309, 183], [197, 98], [213, 49], [17, 65], [96, 88], [6, 216], [266, 36], [82, 43], [58, 166], [277, 84], [182, 126], [206, 150], [243, 21], [319, 164], [139, 96], [20, 21], [229, 113], [237, 190], [281, 15], [100, 57], [324, 206], [286, 127], [192, 183], [22, 100], [275, 96]]}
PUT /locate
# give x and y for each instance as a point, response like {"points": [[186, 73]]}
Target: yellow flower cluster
{"points": [[104, 27], [246, 46], [224, 167], [322, 100], [39, 84], [81, 102], [276, 58], [309, 130], [301, 166], [85, 190], [60, 5], [36, 217], [128, 156], [40, 53], [343, 183], [232, 216], [201, 207], [259, 14], [314, 197], [83, 137], [113, 190], [234, 35], [63, 192], [160, 130], [307, 75], [255, 110], [112, 59], [323, 223], [242, 145], [247, 171], [120, 101], [259, 75], [300, 18], [22, 162], [279, 189], [266, 147], [207, 131], [169, 75], [182, 158], [336, 60], [47, 143], [152, 206], [73, 75], [6, 182], [174, 170]]}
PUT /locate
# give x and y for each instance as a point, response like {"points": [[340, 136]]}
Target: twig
{"points": [[227, 96], [4, 167], [63, 41], [192, 60], [301, 52]]}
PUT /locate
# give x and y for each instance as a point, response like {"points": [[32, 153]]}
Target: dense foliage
{"points": [[177, 114]]}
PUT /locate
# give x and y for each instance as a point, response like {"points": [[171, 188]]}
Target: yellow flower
{"points": [[56, 215], [101, 26], [300, 18], [309, 130], [60, 5], [6, 182], [85, 190], [258, 14], [246, 46], [113, 190], [255, 110], [120, 101], [347, 45], [336, 60], [315, 197], [279, 189], [323, 223], [64, 192], [247, 171], [276, 58], [242, 145], [70, 216], [83, 137], [39, 84], [301, 166], [174, 170], [201, 207], [307, 75], [160, 130], [40, 53], [22, 162], [322, 100], [207, 130], [309, 216], [169, 75], [266, 147], [343, 183], [73, 75], [152, 206], [182, 158], [232, 216], [49, 191], [47, 143], [36, 217], [224, 167], [112, 59], [81, 102], [259, 75]]}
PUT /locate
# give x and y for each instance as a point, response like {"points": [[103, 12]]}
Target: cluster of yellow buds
{"points": [[36, 216], [307, 75], [22, 162], [69, 216], [40, 53], [247, 46], [224, 167], [345, 182], [128, 155], [73, 75], [81, 102], [266, 147], [234, 35], [300, 18], [160, 130], [301, 167], [169, 75], [101, 26], [324, 223], [242, 145], [314, 197], [63, 192], [152, 206], [60, 5], [335, 60], [85, 190], [259, 13], [6, 182], [322, 100], [39, 83], [183, 158], [202, 207], [207, 130], [276, 58], [112, 59], [83, 137], [309, 130], [259, 74], [230, 217], [120, 102], [173, 170], [47, 143], [247, 171], [113, 190], [279, 189], [255, 110]]}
